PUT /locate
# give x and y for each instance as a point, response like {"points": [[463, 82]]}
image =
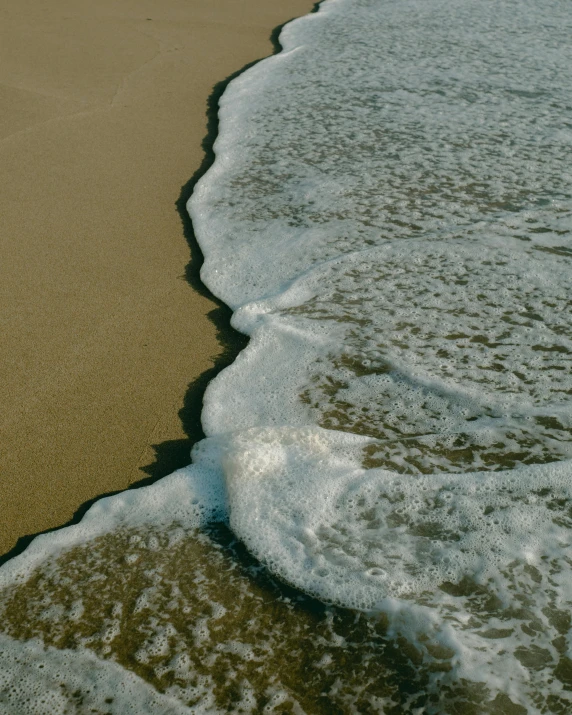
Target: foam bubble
{"points": [[445, 557], [389, 215], [35, 680]]}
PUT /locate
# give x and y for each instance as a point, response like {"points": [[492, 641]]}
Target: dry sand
{"points": [[103, 115]]}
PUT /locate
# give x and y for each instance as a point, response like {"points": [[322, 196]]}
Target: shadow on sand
{"points": [[174, 454]]}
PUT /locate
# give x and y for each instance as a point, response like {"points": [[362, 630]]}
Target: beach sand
{"points": [[104, 112]]}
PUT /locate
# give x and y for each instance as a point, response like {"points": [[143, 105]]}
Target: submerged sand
{"points": [[104, 112]]}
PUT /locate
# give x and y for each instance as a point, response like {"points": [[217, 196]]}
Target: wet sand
{"points": [[101, 332]]}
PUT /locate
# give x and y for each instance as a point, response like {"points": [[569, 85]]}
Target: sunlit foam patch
{"points": [[473, 570], [303, 504]]}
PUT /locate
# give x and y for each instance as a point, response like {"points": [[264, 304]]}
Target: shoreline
{"points": [[104, 333]]}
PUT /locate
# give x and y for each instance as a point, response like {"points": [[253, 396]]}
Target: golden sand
{"points": [[104, 112]]}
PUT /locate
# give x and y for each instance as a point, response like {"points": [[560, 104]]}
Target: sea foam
{"points": [[389, 217]]}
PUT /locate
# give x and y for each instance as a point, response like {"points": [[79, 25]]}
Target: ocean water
{"points": [[379, 519]]}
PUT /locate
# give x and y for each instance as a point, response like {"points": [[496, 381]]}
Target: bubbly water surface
{"points": [[389, 216]]}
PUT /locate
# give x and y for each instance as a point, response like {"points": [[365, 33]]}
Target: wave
{"points": [[389, 217]]}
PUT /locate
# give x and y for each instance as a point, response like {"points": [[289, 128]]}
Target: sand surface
{"points": [[103, 115]]}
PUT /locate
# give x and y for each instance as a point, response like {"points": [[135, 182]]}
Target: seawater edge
{"points": [[498, 495], [172, 455]]}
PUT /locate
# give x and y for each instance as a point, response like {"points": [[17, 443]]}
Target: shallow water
{"points": [[389, 216], [197, 617]]}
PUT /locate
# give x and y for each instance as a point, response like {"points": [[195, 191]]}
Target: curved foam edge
{"points": [[303, 503], [374, 541]]}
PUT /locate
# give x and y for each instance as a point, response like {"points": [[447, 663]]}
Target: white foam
{"points": [[35, 680], [455, 354], [302, 502], [372, 540], [193, 496], [389, 215]]}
